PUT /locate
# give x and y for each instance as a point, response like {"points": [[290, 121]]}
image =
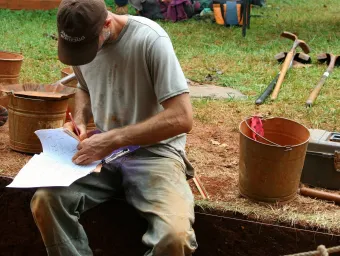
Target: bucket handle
{"points": [[287, 148]]}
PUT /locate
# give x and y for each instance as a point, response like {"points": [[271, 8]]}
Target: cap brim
{"points": [[72, 55]]}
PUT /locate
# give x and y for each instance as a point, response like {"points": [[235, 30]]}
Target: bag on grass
{"points": [[153, 9], [228, 13], [173, 10]]}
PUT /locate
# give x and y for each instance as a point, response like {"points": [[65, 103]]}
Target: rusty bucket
{"points": [[26, 115], [270, 167], [10, 66], [65, 72]]}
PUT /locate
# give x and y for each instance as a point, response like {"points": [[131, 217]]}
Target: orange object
{"points": [[200, 187], [219, 16], [270, 168], [26, 115], [74, 124], [323, 195], [10, 66]]}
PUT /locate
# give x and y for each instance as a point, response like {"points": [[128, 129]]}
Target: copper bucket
{"points": [[64, 72], [270, 167], [26, 115], [10, 66]]}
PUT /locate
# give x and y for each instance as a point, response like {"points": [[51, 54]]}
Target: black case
{"points": [[322, 162]]}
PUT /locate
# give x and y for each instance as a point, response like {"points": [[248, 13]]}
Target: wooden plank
{"points": [[29, 4], [3, 4]]}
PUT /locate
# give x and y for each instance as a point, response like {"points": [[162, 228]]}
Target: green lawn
{"points": [[205, 48]]}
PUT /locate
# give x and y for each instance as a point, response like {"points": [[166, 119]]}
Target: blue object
{"points": [[231, 13], [119, 153], [121, 3]]}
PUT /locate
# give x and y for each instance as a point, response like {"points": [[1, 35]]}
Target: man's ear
{"points": [[107, 22]]}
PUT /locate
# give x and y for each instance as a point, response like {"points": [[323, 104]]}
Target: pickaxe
{"points": [[332, 61], [289, 59], [280, 57]]}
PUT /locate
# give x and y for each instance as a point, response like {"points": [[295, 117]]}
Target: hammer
{"points": [[332, 61], [280, 57], [289, 59]]}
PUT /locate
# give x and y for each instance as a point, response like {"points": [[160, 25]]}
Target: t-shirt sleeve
{"points": [[166, 73], [81, 81]]}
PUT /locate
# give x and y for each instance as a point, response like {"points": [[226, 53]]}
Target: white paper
{"points": [[54, 166]]}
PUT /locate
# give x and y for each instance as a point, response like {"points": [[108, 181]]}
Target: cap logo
{"points": [[71, 38]]}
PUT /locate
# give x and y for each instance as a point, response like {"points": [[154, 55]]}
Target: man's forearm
{"points": [[160, 127], [82, 107], [173, 121]]}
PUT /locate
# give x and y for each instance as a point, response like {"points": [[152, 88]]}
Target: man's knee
{"points": [[42, 200], [177, 241]]}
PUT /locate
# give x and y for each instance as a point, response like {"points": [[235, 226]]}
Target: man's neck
{"points": [[117, 25]]}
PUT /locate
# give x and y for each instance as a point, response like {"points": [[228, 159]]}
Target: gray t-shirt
{"points": [[130, 78]]}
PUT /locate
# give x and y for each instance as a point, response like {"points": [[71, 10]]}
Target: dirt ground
{"points": [[213, 149]]}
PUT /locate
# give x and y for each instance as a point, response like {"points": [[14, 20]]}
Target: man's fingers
{"points": [[68, 126], [79, 147], [82, 160], [79, 153], [83, 132]]}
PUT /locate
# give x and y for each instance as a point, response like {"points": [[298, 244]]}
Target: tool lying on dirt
{"points": [[319, 194], [280, 57], [332, 61], [320, 251], [200, 187], [289, 58]]}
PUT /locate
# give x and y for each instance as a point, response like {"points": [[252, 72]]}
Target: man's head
{"points": [[80, 24]]}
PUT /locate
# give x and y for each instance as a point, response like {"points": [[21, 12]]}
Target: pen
{"points": [[119, 153], [74, 124], [115, 156]]}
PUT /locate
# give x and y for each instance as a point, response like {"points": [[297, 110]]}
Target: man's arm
{"points": [[174, 120]]}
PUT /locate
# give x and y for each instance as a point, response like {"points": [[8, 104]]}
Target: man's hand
{"points": [[174, 120], [81, 127], [92, 149]]}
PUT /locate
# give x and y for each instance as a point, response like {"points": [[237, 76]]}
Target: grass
{"points": [[317, 219], [204, 48]]}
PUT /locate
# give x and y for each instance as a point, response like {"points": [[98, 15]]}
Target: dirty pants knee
{"points": [[154, 185]]}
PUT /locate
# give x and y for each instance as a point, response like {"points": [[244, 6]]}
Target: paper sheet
{"points": [[54, 166]]}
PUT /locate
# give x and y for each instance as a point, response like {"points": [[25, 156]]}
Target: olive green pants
{"points": [[156, 186]]}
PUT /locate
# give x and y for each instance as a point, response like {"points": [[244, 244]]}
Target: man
{"points": [[130, 78]]}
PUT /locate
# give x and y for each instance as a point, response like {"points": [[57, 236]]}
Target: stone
{"points": [[216, 92]]}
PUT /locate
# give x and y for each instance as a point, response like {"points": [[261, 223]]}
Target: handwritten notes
{"points": [[54, 166]]}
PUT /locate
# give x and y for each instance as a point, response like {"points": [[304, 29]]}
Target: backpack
{"points": [[153, 9], [228, 13], [174, 10]]}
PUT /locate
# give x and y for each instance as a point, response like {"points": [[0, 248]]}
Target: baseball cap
{"points": [[79, 25]]}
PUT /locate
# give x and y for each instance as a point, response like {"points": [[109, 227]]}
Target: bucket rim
{"points": [[13, 53], [276, 146], [35, 99]]}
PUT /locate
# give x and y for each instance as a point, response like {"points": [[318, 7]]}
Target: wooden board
{"points": [[29, 4]]}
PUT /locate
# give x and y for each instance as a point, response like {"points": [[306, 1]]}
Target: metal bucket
{"points": [[10, 66], [71, 102], [26, 115], [270, 167]]}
